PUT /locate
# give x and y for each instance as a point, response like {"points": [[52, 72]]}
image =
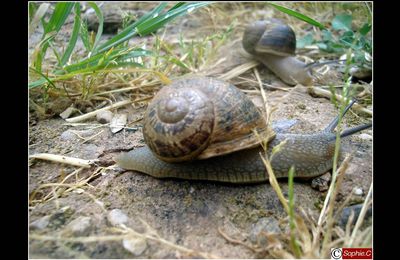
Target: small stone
{"points": [[68, 112], [40, 223], [358, 191], [266, 224], [104, 117], [344, 217], [135, 245], [68, 135], [117, 217], [365, 136], [118, 122], [321, 183], [80, 226]]}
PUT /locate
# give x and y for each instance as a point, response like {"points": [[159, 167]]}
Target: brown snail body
{"points": [[226, 160], [274, 44]]}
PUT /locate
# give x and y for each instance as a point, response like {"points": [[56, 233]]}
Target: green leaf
{"points": [[57, 19], [298, 15], [342, 22], [308, 39], [101, 22], [74, 35], [347, 38], [365, 29]]}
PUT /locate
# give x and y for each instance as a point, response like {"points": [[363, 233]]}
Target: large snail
{"points": [[192, 120], [273, 43]]}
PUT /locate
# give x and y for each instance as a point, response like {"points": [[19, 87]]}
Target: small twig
{"points": [[234, 241], [239, 70], [64, 159], [94, 113]]}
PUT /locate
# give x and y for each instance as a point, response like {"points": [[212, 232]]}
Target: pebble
{"points": [[68, 135], [266, 224], [135, 245], [321, 183], [67, 112], [104, 117], [365, 136], [345, 215], [40, 223], [117, 217], [118, 122], [358, 191], [80, 226]]}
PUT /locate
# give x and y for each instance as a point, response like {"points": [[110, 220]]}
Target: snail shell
{"points": [[198, 118], [274, 44], [270, 36]]}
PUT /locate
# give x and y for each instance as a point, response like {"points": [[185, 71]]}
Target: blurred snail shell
{"points": [[273, 43], [207, 125]]}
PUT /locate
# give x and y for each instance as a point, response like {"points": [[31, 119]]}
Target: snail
{"points": [[273, 43], [203, 128]]}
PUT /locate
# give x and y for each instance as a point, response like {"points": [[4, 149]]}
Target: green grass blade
{"points": [[117, 54], [101, 22], [39, 54], [32, 8], [40, 12], [42, 80], [74, 35], [60, 14], [298, 15], [155, 23]]}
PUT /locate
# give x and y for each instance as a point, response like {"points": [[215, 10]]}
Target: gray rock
{"points": [[80, 226], [104, 117], [40, 223], [321, 183], [345, 215], [68, 135], [267, 224], [117, 217]]}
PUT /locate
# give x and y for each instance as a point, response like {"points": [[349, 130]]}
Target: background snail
{"points": [[200, 118], [273, 43]]}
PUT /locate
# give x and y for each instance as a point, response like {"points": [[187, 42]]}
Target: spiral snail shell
{"points": [[273, 43], [201, 118]]}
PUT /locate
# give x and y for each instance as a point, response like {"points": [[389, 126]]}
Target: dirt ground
{"points": [[183, 213]]}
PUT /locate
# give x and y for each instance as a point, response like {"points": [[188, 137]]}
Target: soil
{"points": [[186, 213]]}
